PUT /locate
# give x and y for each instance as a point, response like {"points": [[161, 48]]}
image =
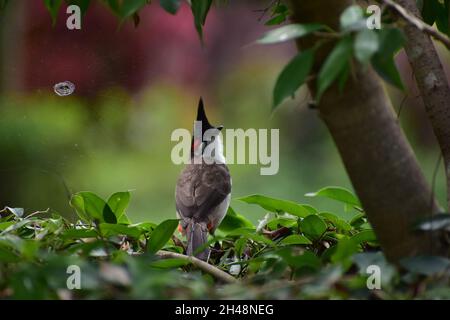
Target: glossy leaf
{"points": [[313, 226], [125, 9], [390, 41], [162, 233], [277, 205], [109, 229], [171, 6], [295, 239], [339, 223], [200, 10], [79, 234], [233, 221], [83, 4], [335, 63], [278, 19], [363, 236], [118, 202], [250, 233], [352, 18], [293, 76], [306, 259], [344, 251], [53, 7], [366, 45], [169, 263], [336, 193], [91, 207], [288, 32]]}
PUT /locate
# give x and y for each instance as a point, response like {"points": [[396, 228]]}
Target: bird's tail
{"points": [[197, 236]]}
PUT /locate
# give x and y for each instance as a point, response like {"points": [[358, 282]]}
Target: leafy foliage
{"points": [[353, 41], [279, 14], [200, 10], [296, 251], [435, 11]]}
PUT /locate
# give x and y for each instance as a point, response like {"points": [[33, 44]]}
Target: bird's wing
{"points": [[201, 188]]}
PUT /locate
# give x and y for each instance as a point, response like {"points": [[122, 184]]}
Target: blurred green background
{"points": [[135, 85]]}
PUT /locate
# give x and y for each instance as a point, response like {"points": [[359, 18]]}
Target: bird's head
{"points": [[204, 133]]}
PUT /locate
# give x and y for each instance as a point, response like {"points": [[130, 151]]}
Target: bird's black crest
{"points": [[201, 116]]}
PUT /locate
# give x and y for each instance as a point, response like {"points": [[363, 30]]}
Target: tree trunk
{"points": [[375, 152], [432, 83]]}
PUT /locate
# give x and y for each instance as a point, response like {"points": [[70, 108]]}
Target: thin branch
{"points": [[418, 23], [202, 265]]}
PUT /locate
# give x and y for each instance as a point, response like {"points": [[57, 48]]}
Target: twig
{"points": [[202, 265], [400, 108], [418, 23]]}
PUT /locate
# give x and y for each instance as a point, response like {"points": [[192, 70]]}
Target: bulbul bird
{"points": [[203, 189]]}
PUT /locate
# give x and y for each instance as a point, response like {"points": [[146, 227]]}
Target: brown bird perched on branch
{"points": [[203, 190]]}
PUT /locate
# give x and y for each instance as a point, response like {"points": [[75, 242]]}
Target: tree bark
{"points": [[375, 152], [432, 83]]}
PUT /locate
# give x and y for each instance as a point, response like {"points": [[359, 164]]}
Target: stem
{"points": [[418, 23], [202, 265]]}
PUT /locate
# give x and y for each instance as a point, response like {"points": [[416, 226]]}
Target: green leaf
{"points": [[310, 209], [278, 19], [16, 226], [426, 265], [6, 225], [233, 221], [249, 233], [345, 248], [83, 4], [357, 219], [336, 193], [366, 45], [200, 10], [125, 9], [289, 32], [295, 239], [79, 233], [306, 259], [91, 207], [169, 263], [364, 236], [53, 7], [430, 9], [335, 63], [390, 41], [281, 221], [351, 18], [145, 226], [118, 202], [277, 205], [443, 16], [108, 229], [8, 256], [292, 76], [313, 226], [239, 246], [162, 233], [340, 224], [171, 6]]}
